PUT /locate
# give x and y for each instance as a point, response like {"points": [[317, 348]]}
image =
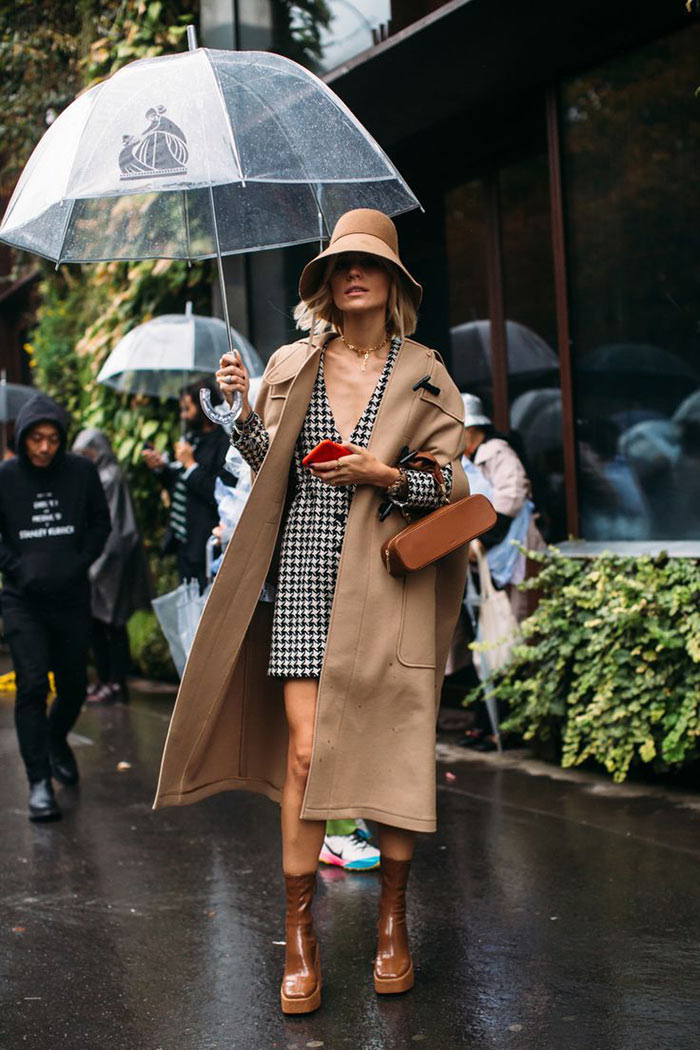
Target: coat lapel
{"points": [[390, 430]]}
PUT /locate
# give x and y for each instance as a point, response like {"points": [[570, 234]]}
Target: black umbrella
{"points": [[530, 358], [631, 372], [12, 397]]}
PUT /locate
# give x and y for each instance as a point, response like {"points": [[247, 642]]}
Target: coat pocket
{"points": [[416, 644]]}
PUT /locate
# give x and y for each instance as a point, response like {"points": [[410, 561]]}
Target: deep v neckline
{"points": [[380, 378]]}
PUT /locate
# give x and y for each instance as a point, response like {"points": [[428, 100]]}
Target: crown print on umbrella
{"points": [[161, 149]]}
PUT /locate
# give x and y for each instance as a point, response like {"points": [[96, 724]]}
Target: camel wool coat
{"points": [[374, 737]]}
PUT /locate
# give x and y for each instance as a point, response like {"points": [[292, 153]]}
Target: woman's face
{"points": [[359, 282]]}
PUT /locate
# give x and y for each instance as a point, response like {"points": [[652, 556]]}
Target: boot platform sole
{"points": [[394, 985], [307, 1004]]}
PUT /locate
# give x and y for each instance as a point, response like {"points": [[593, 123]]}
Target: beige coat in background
{"points": [[500, 465], [374, 739]]}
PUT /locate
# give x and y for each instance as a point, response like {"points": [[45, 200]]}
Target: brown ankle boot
{"points": [[301, 984], [393, 967]]}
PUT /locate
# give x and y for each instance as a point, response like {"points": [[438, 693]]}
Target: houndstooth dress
{"points": [[312, 538]]}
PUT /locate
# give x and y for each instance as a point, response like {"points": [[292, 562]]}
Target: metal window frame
{"points": [[561, 297]]}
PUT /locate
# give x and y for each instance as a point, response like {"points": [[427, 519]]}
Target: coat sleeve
{"points": [[422, 491], [253, 438], [252, 441], [98, 523]]}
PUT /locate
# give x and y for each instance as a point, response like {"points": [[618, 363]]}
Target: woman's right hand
{"points": [[233, 378]]}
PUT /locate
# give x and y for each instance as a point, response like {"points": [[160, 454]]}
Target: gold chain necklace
{"points": [[364, 354]]}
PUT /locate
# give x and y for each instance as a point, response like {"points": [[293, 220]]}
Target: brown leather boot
{"points": [[393, 966], [301, 984]]}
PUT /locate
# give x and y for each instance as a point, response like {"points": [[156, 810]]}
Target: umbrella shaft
{"points": [[224, 301]]}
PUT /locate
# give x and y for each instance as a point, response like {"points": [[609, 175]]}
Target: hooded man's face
{"points": [[42, 443]]}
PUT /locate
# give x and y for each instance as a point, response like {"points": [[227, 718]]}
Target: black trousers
{"points": [[43, 639], [110, 647]]}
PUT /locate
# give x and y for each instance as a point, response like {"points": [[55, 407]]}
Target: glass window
{"points": [[523, 220], [531, 335], [356, 25], [353, 27], [466, 245], [632, 153]]}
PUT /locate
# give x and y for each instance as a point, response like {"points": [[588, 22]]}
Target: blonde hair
{"points": [[319, 313]]}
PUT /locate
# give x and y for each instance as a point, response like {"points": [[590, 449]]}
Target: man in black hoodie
{"points": [[54, 522]]}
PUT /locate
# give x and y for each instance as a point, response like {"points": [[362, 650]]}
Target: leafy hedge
{"points": [[149, 649], [609, 665]]}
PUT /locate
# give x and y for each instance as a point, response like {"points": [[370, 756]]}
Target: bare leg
{"points": [[396, 843], [301, 839], [301, 845]]}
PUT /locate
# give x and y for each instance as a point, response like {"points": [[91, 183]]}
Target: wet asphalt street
{"points": [[546, 914]]}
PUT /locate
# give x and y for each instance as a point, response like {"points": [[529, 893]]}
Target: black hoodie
{"points": [[54, 520]]}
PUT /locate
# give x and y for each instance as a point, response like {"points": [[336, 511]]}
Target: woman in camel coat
{"points": [[326, 700]]}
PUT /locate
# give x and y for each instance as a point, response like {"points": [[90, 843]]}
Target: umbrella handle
{"points": [[225, 417]]}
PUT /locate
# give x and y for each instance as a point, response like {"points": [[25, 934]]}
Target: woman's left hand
{"points": [[359, 468]]}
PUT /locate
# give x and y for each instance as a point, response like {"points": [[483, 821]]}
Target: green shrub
{"points": [[610, 662], [149, 649]]}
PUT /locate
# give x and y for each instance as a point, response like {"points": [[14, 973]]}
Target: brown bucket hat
{"points": [[361, 230]]}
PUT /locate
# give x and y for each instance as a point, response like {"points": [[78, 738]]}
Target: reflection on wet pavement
{"points": [[546, 913]]}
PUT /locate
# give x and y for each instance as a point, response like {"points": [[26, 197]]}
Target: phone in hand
{"points": [[324, 452]]}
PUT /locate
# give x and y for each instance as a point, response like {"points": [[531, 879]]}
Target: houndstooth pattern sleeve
{"points": [[252, 441], [423, 491]]}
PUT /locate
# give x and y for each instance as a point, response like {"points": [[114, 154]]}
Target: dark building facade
{"points": [[554, 148]]}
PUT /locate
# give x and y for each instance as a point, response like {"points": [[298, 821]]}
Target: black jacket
{"points": [[210, 448], [54, 521], [119, 579]]}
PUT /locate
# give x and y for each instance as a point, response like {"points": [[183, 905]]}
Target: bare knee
{"points": [[299, 760]]}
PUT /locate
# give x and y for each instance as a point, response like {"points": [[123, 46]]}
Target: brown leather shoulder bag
{"points": [[441, 531]]}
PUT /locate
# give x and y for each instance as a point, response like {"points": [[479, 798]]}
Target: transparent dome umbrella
{"points": [[161, 356], [195, 156]]}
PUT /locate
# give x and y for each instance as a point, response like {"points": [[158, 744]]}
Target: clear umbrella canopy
{"points": [[162, 355], [198, 155]]}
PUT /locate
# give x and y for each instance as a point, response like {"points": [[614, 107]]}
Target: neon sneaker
{"points": [[351, 852], [362, 829]]}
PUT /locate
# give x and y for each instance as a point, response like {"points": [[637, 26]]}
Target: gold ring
{"points": [[337, 466]]}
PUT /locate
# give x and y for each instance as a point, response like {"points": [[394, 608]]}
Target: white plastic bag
{"points": [[178, 614], [498, 628]]}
